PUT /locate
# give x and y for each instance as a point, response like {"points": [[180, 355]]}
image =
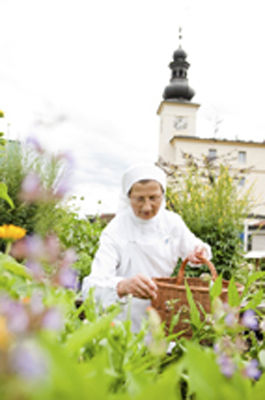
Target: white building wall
{"points": [[169, 112], [258, 241], [255, 160]]}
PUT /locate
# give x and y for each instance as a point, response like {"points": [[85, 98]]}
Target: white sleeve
{"points": [[188, 242], [103, 276]]}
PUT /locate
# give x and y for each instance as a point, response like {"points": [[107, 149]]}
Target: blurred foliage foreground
{"points": [[47, 352]]}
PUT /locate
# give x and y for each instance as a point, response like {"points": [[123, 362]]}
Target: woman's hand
{"points": [[139, 286], [196, 256]]}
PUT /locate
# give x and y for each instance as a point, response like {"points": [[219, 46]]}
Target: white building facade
{"points": [[178, 135]]}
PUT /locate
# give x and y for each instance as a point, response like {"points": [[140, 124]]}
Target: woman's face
{"points": [[146, 199]]}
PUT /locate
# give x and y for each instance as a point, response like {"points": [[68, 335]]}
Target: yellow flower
{"points": [[4, 334], [12, 232]]}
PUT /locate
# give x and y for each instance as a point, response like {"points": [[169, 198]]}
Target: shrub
{"points": [[80, 234], [18, 161], [206, 196]]}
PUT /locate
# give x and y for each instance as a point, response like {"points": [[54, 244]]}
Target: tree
{"points": [[206, 194]]}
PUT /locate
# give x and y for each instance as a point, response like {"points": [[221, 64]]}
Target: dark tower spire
{"points": [[178, 88]]}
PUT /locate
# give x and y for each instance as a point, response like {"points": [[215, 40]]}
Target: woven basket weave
{"points": [[174, 289]]}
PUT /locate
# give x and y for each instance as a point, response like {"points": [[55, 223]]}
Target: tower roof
{"points": [[178, 88]]}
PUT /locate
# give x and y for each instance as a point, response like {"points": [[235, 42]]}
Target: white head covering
{"points": [[136, 173]]}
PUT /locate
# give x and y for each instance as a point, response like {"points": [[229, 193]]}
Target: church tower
{"points": [[177, 112]]}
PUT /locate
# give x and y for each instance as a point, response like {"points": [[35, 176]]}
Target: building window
{"points": [[242, 157], [212, 154], [242, 181]]}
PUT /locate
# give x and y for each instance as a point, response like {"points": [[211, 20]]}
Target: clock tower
{"points": [[177, 112]]}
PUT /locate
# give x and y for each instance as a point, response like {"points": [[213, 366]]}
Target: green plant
{"points": [[206, 196], [80, 234], [17, 163]]}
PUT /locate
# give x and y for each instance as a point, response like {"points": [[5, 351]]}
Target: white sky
{"points": [[88, 76]]}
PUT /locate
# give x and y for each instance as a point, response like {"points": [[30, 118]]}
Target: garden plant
{"points": [[206, 194], [48, 352]]}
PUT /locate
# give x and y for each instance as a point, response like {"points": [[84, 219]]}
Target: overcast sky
{"points": [[88, 76]]}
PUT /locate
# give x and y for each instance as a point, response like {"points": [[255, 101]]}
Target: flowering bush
{"points": [[207, 197], [36, 185]]}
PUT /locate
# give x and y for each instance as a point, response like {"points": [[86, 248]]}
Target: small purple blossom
{"points": [[36, 269], [19, 321], [61, 189], [29, 361], [67, 157], [69, 258], [35, 247], [68, 278], [36, 305], [227, 366], [52, 320], [31, 189], [33, 141], [52, 248], [17, 318], [251, 370], [250, 320], [231, 319]]}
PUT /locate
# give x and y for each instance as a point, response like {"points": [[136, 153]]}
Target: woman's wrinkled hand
{"points": [[139, 286], [197, 255]]}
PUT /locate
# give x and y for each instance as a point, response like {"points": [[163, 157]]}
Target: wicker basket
{"points": [[174, 289]]}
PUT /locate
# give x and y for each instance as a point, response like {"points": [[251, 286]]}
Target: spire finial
{"points": [[180, 35]]}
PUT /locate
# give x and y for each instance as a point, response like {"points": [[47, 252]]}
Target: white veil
{"points": [[136, 173]]}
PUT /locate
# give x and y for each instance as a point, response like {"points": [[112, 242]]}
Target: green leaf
{"points": [[205, 380], [203, 372], [255, 300], [216, 288], [259, 389], [4, 194], [233, 296], [251, 279], [174, 321], [262, 358], [194, 312], [10, 264], [89, 331]]}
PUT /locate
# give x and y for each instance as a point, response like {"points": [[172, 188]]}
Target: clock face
{"points": [[181, 123]]}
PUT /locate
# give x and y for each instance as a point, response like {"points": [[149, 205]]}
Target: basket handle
{"points": [[180, 276]]}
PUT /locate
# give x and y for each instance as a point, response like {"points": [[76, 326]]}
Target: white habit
{"points": [[130, 245]]}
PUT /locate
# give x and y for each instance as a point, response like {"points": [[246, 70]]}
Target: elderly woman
{"points": [[144, 240]]}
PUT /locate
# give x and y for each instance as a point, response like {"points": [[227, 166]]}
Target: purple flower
{"points": [[36, 269], [52, 248], [18, 322], [17, 317], [251, 370], [52, 320], [69, 258], [29, 361], [32, 141], [31, 189], [67, 157], [230, 319], [68, 278], [250, 320], [61, 189], [35, 247], [227, 366], [36, 305]]}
